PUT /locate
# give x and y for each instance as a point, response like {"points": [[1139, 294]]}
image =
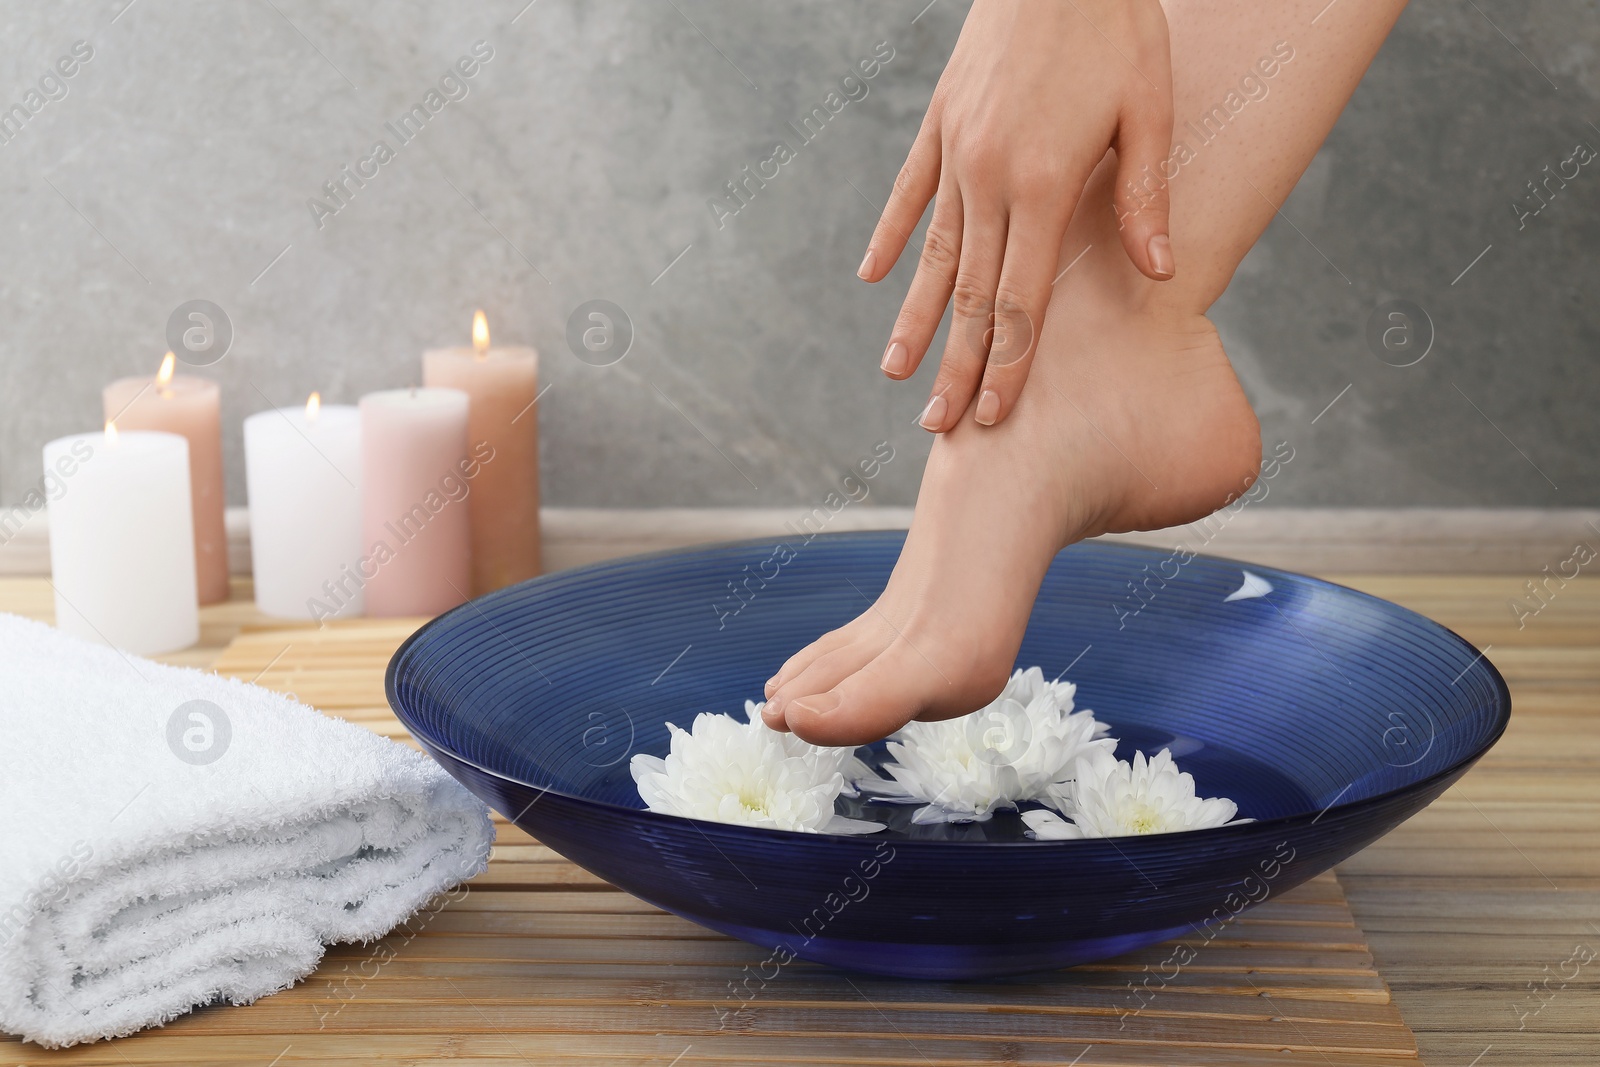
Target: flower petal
{"points": [[1045, 825]]}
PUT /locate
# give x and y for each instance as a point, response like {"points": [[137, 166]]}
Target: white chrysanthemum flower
{"points": [[1115, 798], [1017, 748], [725, 770]]}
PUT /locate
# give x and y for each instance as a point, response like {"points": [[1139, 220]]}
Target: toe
{"points": [[822, 673], [822, 646], [871, 703], [829, 670]]}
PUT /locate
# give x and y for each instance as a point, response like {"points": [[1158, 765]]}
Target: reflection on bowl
{"points": [[1330, 716]]}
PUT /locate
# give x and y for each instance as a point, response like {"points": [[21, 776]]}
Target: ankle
{"points": [[1104, 288]]}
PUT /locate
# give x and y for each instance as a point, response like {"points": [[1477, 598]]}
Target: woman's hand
{"points": [[1034, 95]]}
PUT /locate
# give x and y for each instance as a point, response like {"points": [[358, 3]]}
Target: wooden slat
{"points": [[482, 1046]]}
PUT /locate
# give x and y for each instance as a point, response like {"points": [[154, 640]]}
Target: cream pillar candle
{"points": [[303, 473], [502, 421], [186, 405], [415, 476], [122, 540]]}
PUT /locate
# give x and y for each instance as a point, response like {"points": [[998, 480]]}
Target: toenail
{"points": [[771, 684], [988, 408], [895, 358], [933, 415], [773, 710], [868, 261], [820, 704], [1160, 249]]}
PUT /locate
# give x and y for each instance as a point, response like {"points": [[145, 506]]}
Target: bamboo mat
{"points": [[1472, 909], [539, 962]]}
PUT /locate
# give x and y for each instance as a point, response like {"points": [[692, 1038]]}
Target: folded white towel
{"points": [[157, 853]]}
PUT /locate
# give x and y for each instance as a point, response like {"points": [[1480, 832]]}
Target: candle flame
{"points": [[480, 333], [169, 362], [111, 434], [313, 406]]}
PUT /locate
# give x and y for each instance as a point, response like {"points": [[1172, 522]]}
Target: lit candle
{"points": [[416, 475], [122, 540], [303, 471], [503, 423], [186, 405]]}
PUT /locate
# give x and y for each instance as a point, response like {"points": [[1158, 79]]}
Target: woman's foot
{"points": [[1130, 420], [1131, 417]]}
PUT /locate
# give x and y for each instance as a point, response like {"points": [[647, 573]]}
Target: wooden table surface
{"points": [[1480, 910]]}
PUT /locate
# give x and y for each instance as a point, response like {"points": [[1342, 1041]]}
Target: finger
{"points": [[966, 349], [1144, 145], [1033, 249], [930, 289], [914, 186]]}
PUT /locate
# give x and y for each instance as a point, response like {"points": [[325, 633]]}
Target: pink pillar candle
{"points": [[416, 466], [503, 424], [187, 406]]}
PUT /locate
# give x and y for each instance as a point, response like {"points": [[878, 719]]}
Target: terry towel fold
{"points": [[157, 853]]}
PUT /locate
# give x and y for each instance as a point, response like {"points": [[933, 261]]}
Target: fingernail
{"points": [[988, 408], [771, 686], [820, 704], [1160, 249], [772, 712], [895, 358], [868, 261], [933, 415]]}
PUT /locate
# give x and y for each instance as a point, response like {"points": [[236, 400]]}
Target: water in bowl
{"points": [[1261, 790]]}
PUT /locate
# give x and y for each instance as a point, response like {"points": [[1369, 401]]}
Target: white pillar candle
{"points": [[122, 540], [416, 475], [303, 474]]}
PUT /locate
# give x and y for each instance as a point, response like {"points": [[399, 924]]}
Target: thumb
{"points": [[1144, 141]]}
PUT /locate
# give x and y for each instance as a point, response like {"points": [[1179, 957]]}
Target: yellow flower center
{"points": [[1146, 821]]}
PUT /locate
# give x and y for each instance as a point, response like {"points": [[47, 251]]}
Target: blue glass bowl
{"points": [[1329, 715]]}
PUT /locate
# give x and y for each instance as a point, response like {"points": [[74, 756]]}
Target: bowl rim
{"points": [[1250, 828]]}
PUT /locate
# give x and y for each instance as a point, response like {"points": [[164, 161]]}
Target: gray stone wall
{"points": [[576, 162]]}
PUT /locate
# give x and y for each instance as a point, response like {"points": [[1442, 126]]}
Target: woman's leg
{"points": [[1132, 417], [1228, 191]]}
